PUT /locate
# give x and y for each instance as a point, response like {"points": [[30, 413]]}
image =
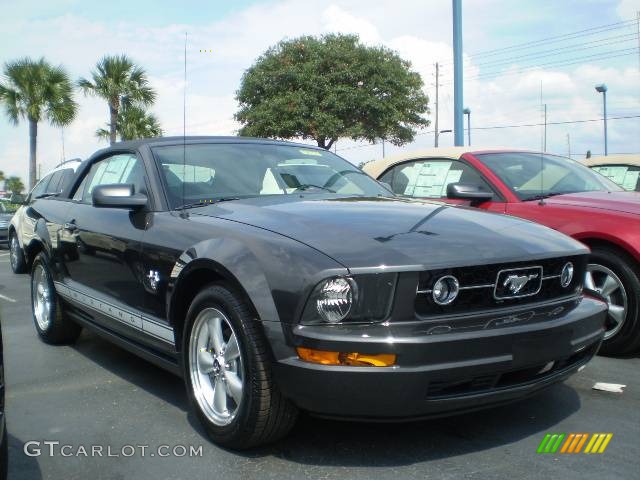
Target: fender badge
{"points": [[154, 279]]}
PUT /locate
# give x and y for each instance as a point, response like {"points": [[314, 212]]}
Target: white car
{"points": [[22, 226]]}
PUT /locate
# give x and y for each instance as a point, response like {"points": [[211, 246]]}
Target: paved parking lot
{"points": [[94, 393]]}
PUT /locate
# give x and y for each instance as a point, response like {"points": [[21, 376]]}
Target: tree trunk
{"points": [[323, 143], [330, 144], [33, 136], [113, 112]]}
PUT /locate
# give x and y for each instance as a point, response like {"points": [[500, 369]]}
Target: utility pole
{"points": [[544, 148], [437, 104], [458, 116], [638, 31], [569, 145], [62, 138], [602, 88], [467, 112]]}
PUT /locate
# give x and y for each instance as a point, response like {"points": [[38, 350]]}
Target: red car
{"points": [[552, 190]]}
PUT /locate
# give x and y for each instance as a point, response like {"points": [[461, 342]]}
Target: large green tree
{"points": [[330, 87], [133, 122], [35, 90], [121, 83]]}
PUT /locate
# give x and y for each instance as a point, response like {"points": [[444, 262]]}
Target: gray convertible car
{"points": [[277, 277]]}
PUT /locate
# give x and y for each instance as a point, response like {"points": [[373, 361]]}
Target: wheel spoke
{"points": [[589, 283], [205, 361], [215, 333], [609, 286], [234, 386], [219, 397], [231, 352], [616, 312]]}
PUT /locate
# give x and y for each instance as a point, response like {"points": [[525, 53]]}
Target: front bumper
{"points": [[442, 373]]}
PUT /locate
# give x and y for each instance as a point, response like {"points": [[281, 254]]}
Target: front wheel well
{"points": [[31, 252], [193, 283], [617, 249]]}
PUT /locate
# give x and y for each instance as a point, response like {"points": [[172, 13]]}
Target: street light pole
{"points": [[458, 120], [467, 112], [602, 88]]}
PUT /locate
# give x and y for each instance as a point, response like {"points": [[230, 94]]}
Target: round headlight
{"points": [[567, 274], [445, 290], [335, 299]]}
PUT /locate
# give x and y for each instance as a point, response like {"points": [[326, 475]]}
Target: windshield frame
{"points": [[605, 184], [346, 169]]}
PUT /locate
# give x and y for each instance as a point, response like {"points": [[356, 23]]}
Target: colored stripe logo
{"points": [[574, 443]]}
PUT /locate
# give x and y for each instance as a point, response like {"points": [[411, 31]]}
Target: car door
{"points": [[102, 245], [428, 178], [28, 215]]}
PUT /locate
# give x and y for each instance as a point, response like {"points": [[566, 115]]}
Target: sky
{"points": [[505, 81]]}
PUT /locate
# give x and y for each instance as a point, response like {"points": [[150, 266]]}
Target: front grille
{"points": [[478, 290], [456, 387]]}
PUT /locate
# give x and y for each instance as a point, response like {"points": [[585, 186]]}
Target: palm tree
{"points": [[15, 185], [133, 122], [36, 90], [121, 83]]}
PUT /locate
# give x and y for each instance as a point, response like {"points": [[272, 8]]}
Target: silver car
{"points": [[21, 227]]}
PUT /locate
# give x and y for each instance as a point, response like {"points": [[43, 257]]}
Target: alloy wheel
{"points": [[42, 297], [13, 251], [604, 281], [215, 366]]}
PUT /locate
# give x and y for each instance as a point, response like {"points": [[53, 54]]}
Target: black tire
{"points": [[60, 329], [627, 339], [263, 415], [4, 455], [16, 256]]}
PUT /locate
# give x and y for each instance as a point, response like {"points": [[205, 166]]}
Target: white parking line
{"points": [[3, 254], [8, 299]]}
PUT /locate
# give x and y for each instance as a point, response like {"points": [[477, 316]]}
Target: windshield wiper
{"points": [[307, 186], [204, 203], [546, 195], [46, 195]]}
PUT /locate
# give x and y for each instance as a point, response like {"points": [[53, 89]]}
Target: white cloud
{"points": [[239, 38], [628, 9], [337, 20]]}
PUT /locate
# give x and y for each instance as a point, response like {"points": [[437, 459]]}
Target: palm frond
{"points": [[37, 90]]}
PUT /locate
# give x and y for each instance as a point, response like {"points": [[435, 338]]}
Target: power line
{"points": [[549, 40], [521, 125], [566, 36], [556, 63], [615, 40], [566, 122]]}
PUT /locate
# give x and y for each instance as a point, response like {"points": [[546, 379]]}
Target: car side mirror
{"points": [[118, 196], [467, 191]]}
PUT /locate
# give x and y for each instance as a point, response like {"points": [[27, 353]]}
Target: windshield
{"points": [[525, 175], [221, 171]]}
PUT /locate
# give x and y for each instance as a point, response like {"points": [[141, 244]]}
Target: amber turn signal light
{"points": [[351, 359]]}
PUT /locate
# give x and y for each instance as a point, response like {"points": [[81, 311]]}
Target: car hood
{"points": [[372, 232], [627, 202], [6, 217]]}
